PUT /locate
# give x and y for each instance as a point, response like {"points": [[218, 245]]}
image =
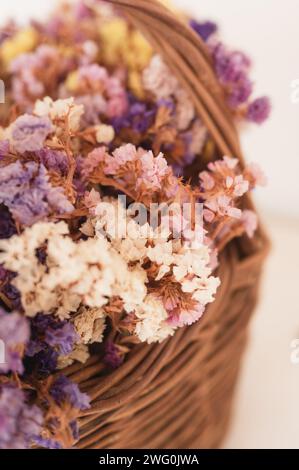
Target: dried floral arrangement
{"points": [[91, 114]]}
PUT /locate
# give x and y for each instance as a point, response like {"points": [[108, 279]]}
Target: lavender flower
{"points": [[65, 390], [62, 337], [259, 110], [46, 443], [14, 332], [28, 194], [53, 160], [29, 132], [19, 422], [204, 30]]}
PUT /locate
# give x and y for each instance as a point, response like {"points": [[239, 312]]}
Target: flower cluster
{"points": [[101, 152]]}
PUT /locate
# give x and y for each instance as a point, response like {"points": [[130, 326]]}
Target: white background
{"points": [[266, 412]]}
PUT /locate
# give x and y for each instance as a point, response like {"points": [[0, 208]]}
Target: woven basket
{"points": [[178, 394]]}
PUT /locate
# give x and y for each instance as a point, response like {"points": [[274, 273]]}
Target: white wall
{"points": [[268, 31]]}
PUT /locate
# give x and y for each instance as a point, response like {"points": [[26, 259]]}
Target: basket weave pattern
{"points": [[178, 394]]}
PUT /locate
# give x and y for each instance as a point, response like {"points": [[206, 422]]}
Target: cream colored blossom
{"points": [[60, 109], [90, 325], [80, 353], [152, 325], [104, 134]]}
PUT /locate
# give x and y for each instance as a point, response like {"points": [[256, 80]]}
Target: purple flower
{"points": [[240, 93], [112, 357], [231, 67], [53, 160], [29, 132], [204, 30], [139, 117], [46, 443], [64, 390], [62, 338], [45, 362], [14, 332], [28, 193], [7, 226], [259, 110], [4, 148], [19, 422]]}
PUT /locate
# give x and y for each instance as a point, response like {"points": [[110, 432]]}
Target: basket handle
{"points": [[187, 56]]}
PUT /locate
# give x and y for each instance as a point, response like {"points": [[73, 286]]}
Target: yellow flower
{"points": [[72, 81], [119, 43], [138, 52], [23, 41], [113, 35], [135, 84]]}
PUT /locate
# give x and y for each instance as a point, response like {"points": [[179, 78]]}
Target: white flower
{"points": [[152, 325], [60, 109], [104, 134]]}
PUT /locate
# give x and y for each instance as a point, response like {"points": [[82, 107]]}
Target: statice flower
{"points": [[60, 111], [54, 160], [63, 390], [259, 110], [112, 356], [4, 148], [28, 133], [204, 29], [29, 82], [14, 332], [62, 337], [19, 422], [7, 226], [28, 194], [139, 116]]}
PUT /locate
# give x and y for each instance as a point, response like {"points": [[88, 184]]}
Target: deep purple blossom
{"points": [[259, 110], [19, 422], [63, 390], [205, 29], [49, 339], [7, 225], [29, 132], [139, 117], [112, 357]]}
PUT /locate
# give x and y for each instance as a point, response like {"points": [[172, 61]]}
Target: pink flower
{"points": [[121, 156], [154, 169], [241, 186], [93, 160], [93, 73], [250, 222], [207, 180], [117, 106], [180, 318], [257, 174]]}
